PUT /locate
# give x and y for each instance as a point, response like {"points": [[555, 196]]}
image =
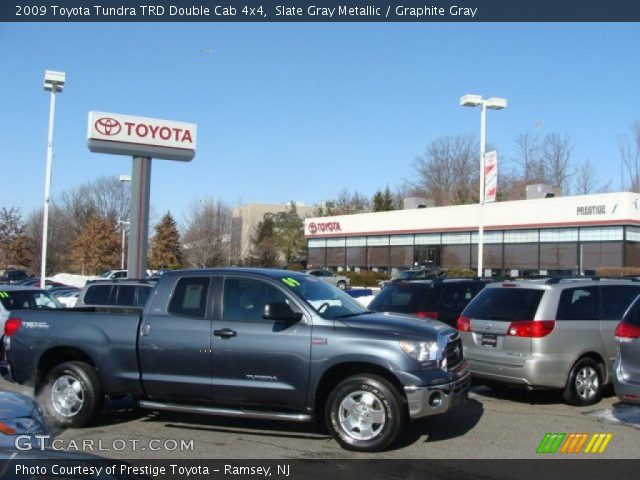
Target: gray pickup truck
{"points": [[266, 344]]}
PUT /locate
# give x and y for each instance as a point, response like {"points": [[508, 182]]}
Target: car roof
{"points": [[13, 288], [439, 281], [549, 283], [123, 281], [263, 272]]}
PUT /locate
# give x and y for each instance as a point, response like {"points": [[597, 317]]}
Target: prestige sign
{"points": [[141, 137]]}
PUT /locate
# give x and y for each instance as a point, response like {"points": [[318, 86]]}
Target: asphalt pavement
{"points": [[509, 425]]}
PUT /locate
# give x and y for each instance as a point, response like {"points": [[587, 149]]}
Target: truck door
{"points": [[175, 345], [258, 361]]}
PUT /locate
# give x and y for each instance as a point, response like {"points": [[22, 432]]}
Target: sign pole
{"points": [[139, 226]]}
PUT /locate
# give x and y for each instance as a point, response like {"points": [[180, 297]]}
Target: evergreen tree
{"points": [[165, 250], [378, 202], [265, 244], [387, 200], [96, 248], [290, 231]]}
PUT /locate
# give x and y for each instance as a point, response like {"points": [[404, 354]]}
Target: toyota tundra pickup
{"points": [[255, 343]]}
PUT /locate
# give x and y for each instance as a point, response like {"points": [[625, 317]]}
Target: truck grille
{"points": [[454, 352]]}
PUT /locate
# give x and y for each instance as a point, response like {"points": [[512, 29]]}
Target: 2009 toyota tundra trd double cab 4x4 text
{"points": [[268, 344]]}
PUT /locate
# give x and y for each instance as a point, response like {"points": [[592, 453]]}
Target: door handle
{"points": [[146, 329], [225, 333]]}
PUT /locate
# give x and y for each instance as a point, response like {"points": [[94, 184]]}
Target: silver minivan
{"points": [[549, 334]]}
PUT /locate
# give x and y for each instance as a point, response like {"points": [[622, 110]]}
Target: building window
{"points": [[559, 256], [317, 243], [521, 236], [335, 242], [335, 257], [491, 256], [601, 254], [356, 241], [596, 234], [315, 257], [378, 241], [401, 240], [559, 235], [456, 256], [523, 256], [488, 237], [428, 239], [633, 234], [632, 254], [456, 238], [377, 257], [356, 257], [401, 256]]}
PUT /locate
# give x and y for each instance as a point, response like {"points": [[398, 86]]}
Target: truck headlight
{"points": [[425, 353]]}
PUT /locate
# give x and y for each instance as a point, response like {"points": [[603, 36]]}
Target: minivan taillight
{"points": [[531, 328], [427, 315], [626, 330], [463, 324], [11, 326]]}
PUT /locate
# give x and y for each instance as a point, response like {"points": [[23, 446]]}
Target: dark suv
{"points": [[442, 299]]}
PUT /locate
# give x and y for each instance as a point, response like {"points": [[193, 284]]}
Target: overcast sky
{"points": [[299, 111]]}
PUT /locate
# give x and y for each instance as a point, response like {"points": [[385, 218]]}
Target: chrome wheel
{"points": [[361, 415], [587, 383], [67, 396]]}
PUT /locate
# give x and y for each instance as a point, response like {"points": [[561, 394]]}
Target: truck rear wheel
{"points": [[365, 413], [71, 395]]}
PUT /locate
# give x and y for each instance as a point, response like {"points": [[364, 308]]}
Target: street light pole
{"points": [[494, 104], [53, 82], [124, 179], [483, 147]]}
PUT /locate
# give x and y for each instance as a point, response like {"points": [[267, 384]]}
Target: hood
{"points": [[405, 326], [15, 405]]}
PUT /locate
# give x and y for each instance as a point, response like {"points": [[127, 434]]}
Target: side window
{"points": [[97, 295], [126, 295], [244, 299], [455, 298], [579, 304], [120, 275], [189, 298], [316, 273], [616, 299], [143, 294]]}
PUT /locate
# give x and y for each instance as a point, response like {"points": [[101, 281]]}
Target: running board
{"points": [[226, 412]]}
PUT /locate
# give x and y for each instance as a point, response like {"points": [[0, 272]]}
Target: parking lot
{"points": [[510, 425]]}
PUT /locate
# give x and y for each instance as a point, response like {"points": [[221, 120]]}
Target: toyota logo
{"points": [[313, 228], [108, 126]]}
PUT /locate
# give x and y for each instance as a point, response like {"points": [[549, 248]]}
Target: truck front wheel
{"points": [[71, 395], [365, 413]]}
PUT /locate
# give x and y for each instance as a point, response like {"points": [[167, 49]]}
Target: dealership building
{"points": [[560, 235]]}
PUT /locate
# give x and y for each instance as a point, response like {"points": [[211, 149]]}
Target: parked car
{"points": [[420, 273], [20, 416], [441, 299], [556, 334], [17, 297], [252, 343], [113, 274], [123, 293], [340, 281], [14, 276], [35, 282], [67, 296], [626, 378]]}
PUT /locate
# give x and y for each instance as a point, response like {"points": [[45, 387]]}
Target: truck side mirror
{"points": [[281, 311]]}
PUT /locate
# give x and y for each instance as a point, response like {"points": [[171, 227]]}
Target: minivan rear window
{"points": [[97, 295], [505, 304]]}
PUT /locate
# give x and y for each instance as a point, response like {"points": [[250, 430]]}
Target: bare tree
{"points": [[344, 204], [585, 182], [557, 150], [207, 234], [528, 153], [61, 236], [448, 171], [629, 148], [105, 196]]}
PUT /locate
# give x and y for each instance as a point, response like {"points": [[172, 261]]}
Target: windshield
{"points": [[327, 300], [23, 299]]}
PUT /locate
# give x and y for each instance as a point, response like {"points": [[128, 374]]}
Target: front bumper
{"points": [[432, 400]]}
